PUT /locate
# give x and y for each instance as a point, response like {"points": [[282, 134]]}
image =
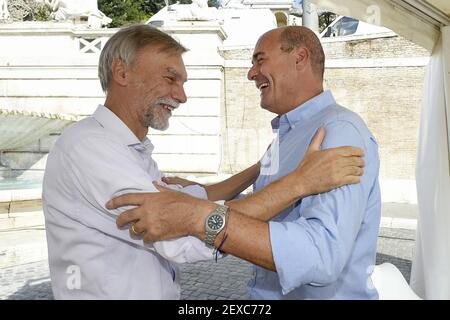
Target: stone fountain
{"points": [[48, 80]]}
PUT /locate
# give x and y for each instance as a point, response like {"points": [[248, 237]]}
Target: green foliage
{"points": [[124, 12], [213, 3], [28, 10], [41, 12], [153, 6], [325, 19]]}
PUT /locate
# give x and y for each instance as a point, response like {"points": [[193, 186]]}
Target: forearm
{"points": [[271, 200], [234, 185], [247, 238]]}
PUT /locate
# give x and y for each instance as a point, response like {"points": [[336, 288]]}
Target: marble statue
{"points": [[198, 10], [4, 13], [73, 9]]}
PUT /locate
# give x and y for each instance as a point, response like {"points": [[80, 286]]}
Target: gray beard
{"points": [[155, 120]]}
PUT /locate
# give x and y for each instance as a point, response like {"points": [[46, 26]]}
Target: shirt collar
{"points": [[304, 111], [111, 122]]}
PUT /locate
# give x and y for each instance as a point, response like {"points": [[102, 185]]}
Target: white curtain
{"points": [[430, 277]]}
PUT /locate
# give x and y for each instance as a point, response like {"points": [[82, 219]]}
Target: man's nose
{"points": [[252, 73], [180, 95]]}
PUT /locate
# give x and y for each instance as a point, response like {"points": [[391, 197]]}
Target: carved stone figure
{"points": [[4, 13], [198, 10], [73, 9]]}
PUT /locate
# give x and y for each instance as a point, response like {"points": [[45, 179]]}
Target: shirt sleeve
{"points": [[103, 169], [185, 251], [314, 247], [194, 190]]}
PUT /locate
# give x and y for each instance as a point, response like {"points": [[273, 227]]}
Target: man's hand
{"points": [[180, 181], [162, 215], [322, 171]]}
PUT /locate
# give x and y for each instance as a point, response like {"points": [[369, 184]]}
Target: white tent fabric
{"points": [[386, 13], [390, 283], [420, 23], [430, 276]]}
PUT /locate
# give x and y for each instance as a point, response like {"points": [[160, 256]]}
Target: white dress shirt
{"points": [[93, 161]]}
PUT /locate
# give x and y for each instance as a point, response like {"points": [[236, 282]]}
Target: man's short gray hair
{"points": [[126, 43], [296, 36]]}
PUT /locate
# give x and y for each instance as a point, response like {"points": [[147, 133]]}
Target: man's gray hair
{"points": [[296, 36], [125, 45]]}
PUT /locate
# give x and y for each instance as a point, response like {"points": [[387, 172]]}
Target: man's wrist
{"points": [[296, 187], [201, 212]]}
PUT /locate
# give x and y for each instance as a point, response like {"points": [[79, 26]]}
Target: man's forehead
{"points": [[170, 62], [259, 50], [266, 42]]}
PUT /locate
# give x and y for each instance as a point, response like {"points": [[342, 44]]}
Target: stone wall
{"points": [[388, 99], [246, 131], [363, 48]]}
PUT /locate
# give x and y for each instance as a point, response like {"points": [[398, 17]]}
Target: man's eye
{"points": [[170, 79]]}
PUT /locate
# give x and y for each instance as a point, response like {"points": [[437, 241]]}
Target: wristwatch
{"points": [[214, 223]]}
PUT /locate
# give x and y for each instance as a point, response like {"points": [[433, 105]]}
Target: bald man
{"points": [[323, 245]]}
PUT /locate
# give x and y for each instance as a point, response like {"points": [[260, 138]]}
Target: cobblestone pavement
{"points": [[397, 247], [226, 279]]}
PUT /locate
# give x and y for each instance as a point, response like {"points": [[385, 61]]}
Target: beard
{"points": [[156, 116]]}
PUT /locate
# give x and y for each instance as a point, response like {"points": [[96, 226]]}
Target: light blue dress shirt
{"points": [[324, 246]]}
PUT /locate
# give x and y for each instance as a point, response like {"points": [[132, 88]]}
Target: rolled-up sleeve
{"points": [[314, 246]]}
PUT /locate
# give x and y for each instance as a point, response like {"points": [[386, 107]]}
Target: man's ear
{"points": [[119, 72], [301, 55]]}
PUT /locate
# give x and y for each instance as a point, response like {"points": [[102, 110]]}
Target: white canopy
{"points": [[426, 23], [415, 20]]}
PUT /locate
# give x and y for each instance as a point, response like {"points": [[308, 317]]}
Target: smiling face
{"points": [[275, 74], [157, 86]]}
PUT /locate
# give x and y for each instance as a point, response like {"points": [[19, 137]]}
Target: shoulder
{"points": [[339, 115], [85, 137], [345, 127]]}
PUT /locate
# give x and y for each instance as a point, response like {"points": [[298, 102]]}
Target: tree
{"points": [[211, 3], [26, 10], [123, 12], [325, 18], [153, 6]]}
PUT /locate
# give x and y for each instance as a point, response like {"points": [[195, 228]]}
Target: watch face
{"points": [[215, 222]]}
